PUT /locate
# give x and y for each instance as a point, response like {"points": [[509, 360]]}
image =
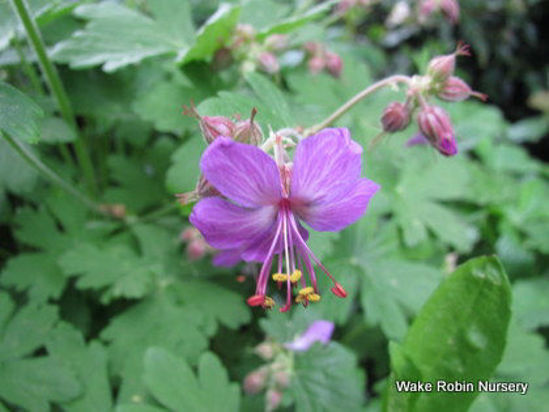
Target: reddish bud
{"points": [[450, 9], [196, 249], [189, 234], [272, 399], [247, 131], [339, 291], [316, 64], [312, 47], [255, 381], [456, 90], [268, 63], [334, 65], [282, 379], [214, 126], [436, 126], [426, 9], [265, 351], [396, 117], [276, 42], [442, 67]]}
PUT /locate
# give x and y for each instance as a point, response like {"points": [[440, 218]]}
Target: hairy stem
{"points": [[56, 88], [48, 173], [389, 81]]}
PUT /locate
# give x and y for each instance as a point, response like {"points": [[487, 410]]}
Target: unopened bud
{"points": [[316, 64], [456, 90], [334, 65], [396, 117], [222, 59], [268, 63], [196, 249], [188, 234], [426, 9], [265, 351], [312, 47], [272, 399], [247, 131], [450, 9], [436, 126], [276, 42], [442, 67], [214, 126], [255, 381], [282, 379]]}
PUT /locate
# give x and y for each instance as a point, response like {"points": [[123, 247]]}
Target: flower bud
{"points": [[196, 249], [450, 9], [442, 67], [396, 117], [255, 381], [276, 42], [247, 131], [272, 399], [316, 64], [436, 126], [456, 90], [268, 63], [189, 234], [334, 65], [426, 9], [265, 351], [214, 126], [282, 379]]}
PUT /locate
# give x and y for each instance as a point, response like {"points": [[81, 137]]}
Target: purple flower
{"points": [[319, 331], [259, 217]]}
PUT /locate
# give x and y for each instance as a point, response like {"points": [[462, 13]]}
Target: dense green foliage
{"points": [[102, 308]]}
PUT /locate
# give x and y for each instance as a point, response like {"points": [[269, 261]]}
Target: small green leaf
{"points": [[530, 303], [172, 382], [19, 115], [272, 98], [67, 346], [459, 335], [55, 130], [183, 173], [117, 36], [326, 378], [213, 34]]}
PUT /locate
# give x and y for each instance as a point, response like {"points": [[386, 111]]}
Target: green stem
{"points": [[56, 87], [389, 81], [44, 170]]}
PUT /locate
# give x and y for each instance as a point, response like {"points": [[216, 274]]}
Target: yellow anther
{"points": [[313, 297], [295, 276], [306, 291], [299, 298], [280, 277], [268, 302]]}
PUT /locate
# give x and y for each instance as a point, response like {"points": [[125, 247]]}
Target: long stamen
{"points": [[266, 268]]}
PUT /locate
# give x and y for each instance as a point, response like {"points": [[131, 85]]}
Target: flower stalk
{"points": [[56, 88], [389, 81]]}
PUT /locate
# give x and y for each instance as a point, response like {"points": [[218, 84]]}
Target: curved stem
{"points": [[389, 81], [44, 170], [56, 87]]}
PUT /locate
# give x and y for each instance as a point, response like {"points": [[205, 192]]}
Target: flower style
{"points": [[259, 217]]}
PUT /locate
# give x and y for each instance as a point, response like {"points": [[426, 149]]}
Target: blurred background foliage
{"points": [[113, 310]]}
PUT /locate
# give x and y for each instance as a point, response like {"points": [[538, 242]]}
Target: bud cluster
{"points": [[212, 127], [251, 52], [433, 122], [345, 6], [448, 8], [319, 59], [273, 377]]}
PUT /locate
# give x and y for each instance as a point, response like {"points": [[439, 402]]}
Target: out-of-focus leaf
{"points": [[184, 171], [271, 97], [459, 335], [172, 382], [327, 378], [530, 129], [117, 36], [16, 175], [530, 303], [19, 115], [55, 130]]}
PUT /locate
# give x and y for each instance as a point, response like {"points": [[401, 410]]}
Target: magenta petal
{"points": [[227, 257], [319, 331], [339, 212], [325, 165], [225, 225], [241, 172]]}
